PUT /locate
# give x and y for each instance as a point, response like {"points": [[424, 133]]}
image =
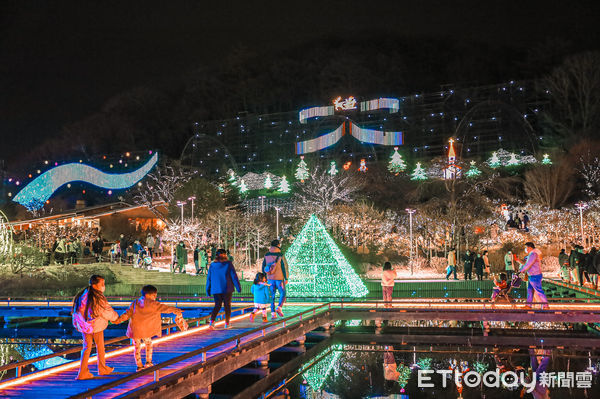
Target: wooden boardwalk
{"points": [[62, 383], [182, 356]]}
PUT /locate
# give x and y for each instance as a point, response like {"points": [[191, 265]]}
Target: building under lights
{"points": [[482, 119], [102, 217]]}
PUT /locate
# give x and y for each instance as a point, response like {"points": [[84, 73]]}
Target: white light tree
{"points": [[302, 170], [284, 186], [158, 189], [322, 191]]}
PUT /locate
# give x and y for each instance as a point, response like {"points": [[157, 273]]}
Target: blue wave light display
{"points": [[42, 187]]}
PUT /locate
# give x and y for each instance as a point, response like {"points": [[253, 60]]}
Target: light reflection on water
{"points": [[384, 371]]}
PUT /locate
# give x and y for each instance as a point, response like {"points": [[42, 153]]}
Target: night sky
{"points": [[61, 60]]}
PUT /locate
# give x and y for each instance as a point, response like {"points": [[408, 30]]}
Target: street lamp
{"points": [[277, 209], [181, 204], [581, 206], [262, 203], [192, 198], [410, 216]]}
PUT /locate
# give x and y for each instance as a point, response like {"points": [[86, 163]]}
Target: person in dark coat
{"points": [[563, 261], [479, 266], [597, 266], [220, 283], [97, 248], [123, 243], [590, 267], [574, 262], [468, 265]]}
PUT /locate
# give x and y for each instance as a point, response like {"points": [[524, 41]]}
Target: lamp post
{"points": [[181, 204], [277, 209], [192, 198], [410, 216], [581, 206], [262, 203]]}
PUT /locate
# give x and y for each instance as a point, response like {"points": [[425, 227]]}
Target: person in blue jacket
{"points": [[261, 290], [220, 283]]}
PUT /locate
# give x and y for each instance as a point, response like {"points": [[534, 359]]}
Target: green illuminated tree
{"points": [[317, 267]]}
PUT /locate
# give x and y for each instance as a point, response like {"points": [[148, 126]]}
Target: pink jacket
{"points": [[94, 323], [387, 278], [144, 318]]}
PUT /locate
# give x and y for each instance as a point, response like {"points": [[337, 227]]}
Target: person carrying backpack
{"points": [[275, 267]]}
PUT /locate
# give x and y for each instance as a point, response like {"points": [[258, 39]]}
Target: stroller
{"points": [[515, 282]]}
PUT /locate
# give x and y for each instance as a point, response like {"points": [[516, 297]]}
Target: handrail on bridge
{"points": [[201, 351], [238, 340], [447, 303], [19, 365]]}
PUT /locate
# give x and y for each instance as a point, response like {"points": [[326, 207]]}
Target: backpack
{"points": [[270, 267]]}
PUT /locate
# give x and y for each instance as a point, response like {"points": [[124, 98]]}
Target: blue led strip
{"points": [[43, 186], [321, 142], [315, 112], [372, 136], [393, 104]]}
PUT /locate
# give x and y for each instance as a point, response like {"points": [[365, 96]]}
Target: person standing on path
{"points": [[468, 259], [91, 314], [509, 267], [563, 261], [533, 268], [275, 267], [479, 266], [150, 244], [387, 283], [451, 264], [181, 253], [123, 244], [486, 261], [220, 283]]}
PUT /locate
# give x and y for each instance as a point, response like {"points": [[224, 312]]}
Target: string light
{"points": [[315, 375], [473, 170], [243, 187], [284, 186], [333, 169], [418, 173], [396, 164], [318, 268], [302, 170], [546, 160], [268, 182], [42, 187]]}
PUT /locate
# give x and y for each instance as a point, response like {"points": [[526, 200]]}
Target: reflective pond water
{"points": [[382, 370]]}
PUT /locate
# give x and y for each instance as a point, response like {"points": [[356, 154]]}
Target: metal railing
{"points": [[202, 352], [263, 331], [405, 304], [19, 365]]}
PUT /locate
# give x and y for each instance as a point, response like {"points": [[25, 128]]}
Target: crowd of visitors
{"points": [[479, 260], [71, 250], [580, 267]]}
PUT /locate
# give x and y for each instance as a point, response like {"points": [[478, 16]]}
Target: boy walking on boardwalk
{"points": [[275, 267], [145, 322]]}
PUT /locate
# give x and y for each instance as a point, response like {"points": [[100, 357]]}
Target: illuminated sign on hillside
{"points": [[345, 105]]}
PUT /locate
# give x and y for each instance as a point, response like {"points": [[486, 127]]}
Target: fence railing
{"points": [[18, 366]]}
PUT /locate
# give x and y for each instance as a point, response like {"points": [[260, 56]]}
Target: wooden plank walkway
{"points": [[63, 384], [59, 382]]}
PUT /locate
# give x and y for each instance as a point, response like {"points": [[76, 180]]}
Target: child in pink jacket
{"points": [[91, 314], [145, 322]]}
